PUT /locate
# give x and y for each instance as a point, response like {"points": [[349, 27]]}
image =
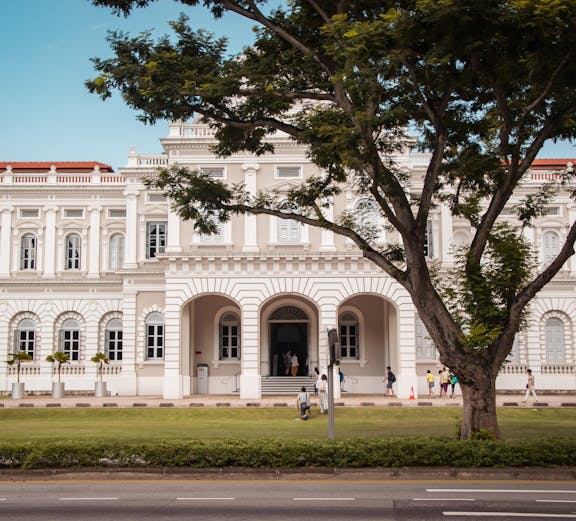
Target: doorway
{"points": [[288, 337]]}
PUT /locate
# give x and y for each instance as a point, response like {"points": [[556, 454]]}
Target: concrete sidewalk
{"points": [[347, 400]]}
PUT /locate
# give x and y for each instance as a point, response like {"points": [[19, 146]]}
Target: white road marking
{"points": [[88, 498], [500, 491], [538, 515], [324, 498], [442, 499], [205, 499], [555, 501]]}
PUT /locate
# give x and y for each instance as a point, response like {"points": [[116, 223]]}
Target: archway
{"points": [[289, 334]]}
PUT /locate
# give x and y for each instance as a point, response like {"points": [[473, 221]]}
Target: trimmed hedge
{"points": [[360, 453]]}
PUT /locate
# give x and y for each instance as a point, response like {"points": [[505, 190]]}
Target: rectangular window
{"points": [[349, 341], [114, 344], [288, 230], [73, 213], [214, 172], [154, 342], [72, 252], [155, 238], [71, 344], [428, 242], [552, 210], [116, 213], [425, 349], [230, 342], [28, 253], [156, 198], [289, 172], [25, 341], [29, 213]]}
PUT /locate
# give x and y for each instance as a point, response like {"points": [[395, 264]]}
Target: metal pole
{"points": [[331, 401]]}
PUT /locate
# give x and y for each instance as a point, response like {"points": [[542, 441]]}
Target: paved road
{"points": [[286, 501]]}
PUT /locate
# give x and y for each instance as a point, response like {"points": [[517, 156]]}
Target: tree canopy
{"points": [[482, 84]]}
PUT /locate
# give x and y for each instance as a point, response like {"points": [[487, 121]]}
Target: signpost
{"points": [[333, 348]]}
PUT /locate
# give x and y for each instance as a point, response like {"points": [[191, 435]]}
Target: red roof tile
{"points": [[61, 166]]}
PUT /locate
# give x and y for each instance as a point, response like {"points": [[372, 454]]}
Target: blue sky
{"points": [[46, 113]]}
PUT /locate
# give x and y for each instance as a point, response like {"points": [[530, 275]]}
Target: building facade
{"points": [[91, 260]]}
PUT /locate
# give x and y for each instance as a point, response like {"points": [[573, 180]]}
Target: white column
{"points": [[130, 240], [328, 320], [49, 241], [406, 369], [250, 221], [446, 252], [5, 243], [173, 244], [250, 384], [127, 384], [173, 379], [94, 242], [327, 237]]}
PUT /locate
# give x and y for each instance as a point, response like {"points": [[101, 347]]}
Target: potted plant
{"points": [[100, 359], [59, 358], [17, 359]]}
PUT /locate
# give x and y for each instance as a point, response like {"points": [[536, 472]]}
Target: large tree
{"points": [[483, 84]]}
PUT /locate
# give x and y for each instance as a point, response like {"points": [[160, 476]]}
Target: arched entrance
{"points": [[289, 334]]}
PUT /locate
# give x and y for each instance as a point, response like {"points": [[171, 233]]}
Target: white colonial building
{"points": [[91, 260]]}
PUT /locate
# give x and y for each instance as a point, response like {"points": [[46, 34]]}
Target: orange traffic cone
{"points": [[411, 393]]}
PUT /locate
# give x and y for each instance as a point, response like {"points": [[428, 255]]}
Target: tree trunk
{"points": [[479, 406]]}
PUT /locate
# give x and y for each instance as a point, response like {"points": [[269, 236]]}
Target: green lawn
{"points": [[138, 425]]}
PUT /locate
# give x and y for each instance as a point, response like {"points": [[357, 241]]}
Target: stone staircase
{"points": [[286, 384]]}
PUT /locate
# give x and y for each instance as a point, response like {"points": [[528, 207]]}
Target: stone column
{"points": [[250, 221], [127, 384], [327, 237], [173, 382], [131, 235], [328, 320], [250, 384], [49, 241], [173, 239], [94, 242], [446, 254], [5, 242]]}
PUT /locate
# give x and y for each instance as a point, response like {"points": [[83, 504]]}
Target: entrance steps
{"points": [[286, 384]]}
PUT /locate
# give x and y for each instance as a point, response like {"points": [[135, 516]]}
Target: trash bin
{"points": [[202, 379]]}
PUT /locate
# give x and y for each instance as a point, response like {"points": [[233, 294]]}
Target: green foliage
{"points": [[59, 358], [347, 79], [100, 359], [17, 359], [275, 454]]}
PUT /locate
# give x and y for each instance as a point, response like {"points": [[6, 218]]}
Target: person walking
{"points": [[323, 394], [430, 381], [453, 382], [341, 379], [530, 386], [390, 379], [294, 365], [317, 377], [444, 378], [303, 404]]}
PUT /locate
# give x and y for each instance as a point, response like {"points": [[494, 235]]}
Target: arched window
{"points": [[551, 245], [113, 340], [428, 240], [69, 339], [349, 336], [288, 229], [155, 336], [116, 252], [25, 337], [229, 337], [425, 348], [28, 252], [366, 213], [72, 253], [554, 339]]}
